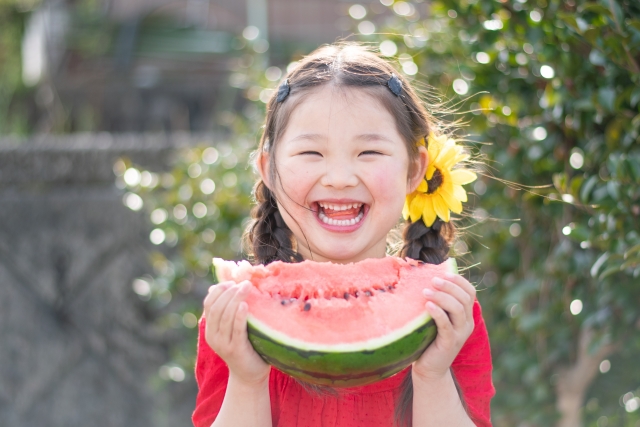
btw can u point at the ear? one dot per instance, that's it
(262, 165)
(419, 169)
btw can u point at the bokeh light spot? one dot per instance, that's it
(576, 160)
(388, 48)
(207, 186)
(357, 11)
(251, 32)
(547, 72)
(366, 28)
(539, 133)
(575, 307)
(199, 210)
(158, 216)
(460, 86)
(132, 177)
(483, 57)
(157, 236)
(133, 201)
(210, 155)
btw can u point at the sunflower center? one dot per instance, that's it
(435, 182)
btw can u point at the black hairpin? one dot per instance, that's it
(283, 90)
(395, 85)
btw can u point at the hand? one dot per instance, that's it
(226, 332)
(450, 304)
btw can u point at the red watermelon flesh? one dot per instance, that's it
(338, 324)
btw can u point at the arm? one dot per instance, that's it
(233, 380)
(461, 350)
(245, 404)
(436, 402)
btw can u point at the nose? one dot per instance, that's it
(340, 173)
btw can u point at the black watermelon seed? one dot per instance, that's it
(283, 302)
(346, 295)
(357, 294)
(307, 307)
(367, 293)
(382, 290)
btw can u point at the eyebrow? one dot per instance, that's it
(361, 137)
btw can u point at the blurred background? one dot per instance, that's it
(125, 131)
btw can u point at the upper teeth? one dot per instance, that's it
(340, 207)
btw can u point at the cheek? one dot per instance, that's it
(389, 183)
(296, 181)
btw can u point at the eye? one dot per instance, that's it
(312, 153)
(370, 152)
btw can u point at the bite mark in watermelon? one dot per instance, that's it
(340, 325)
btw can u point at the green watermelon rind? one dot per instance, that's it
(346, 365)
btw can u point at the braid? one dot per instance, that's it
(269, 236)
(430, 245)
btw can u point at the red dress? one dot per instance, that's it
(366, 406)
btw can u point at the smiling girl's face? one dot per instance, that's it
(343, 172)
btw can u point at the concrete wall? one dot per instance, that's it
(77, 347)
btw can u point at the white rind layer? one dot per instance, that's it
(369, 345)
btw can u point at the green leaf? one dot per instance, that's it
(595, 8)
(609, 271)
(631, 251)
(592, 35)
(635, 97)
(598, 264)
(633, 23)
(587, 187)
(607, 97)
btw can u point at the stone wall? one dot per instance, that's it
(77, 346)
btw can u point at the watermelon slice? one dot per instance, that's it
(340, 325)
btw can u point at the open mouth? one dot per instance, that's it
(340, 214)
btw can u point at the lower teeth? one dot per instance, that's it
(341, 222)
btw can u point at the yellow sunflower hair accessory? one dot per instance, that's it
(440, 192)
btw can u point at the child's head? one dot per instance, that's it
(337, 158)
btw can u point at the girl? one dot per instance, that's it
(347, 143)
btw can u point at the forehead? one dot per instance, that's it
(332, 108)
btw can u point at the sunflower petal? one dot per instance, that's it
(422, 187)
(440, 207)
(452, 202)
(416, 207)
(428, 213)
(453, 160)
(430, 170)
(462, 176)
(405, 208)
(459, 193)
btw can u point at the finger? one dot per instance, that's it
(454, 290)
(445, 328)
(217, 308)
(454, 308)
(214, 293)
(239, 333)
(463, 283)
(230, 311)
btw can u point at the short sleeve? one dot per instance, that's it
(472, 369)
(212, 375)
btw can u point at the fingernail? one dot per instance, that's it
(449, 275)
(437, 281)
(428, 292)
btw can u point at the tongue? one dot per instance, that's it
(341, 215)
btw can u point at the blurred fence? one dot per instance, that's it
(78, 347)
